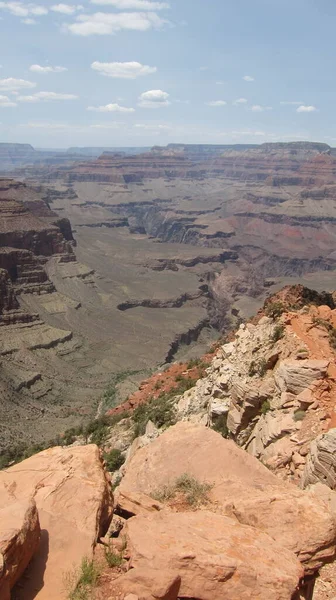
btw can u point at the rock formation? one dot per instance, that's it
(216, 547)
(19, 540)
(74, 503)
(272, 386)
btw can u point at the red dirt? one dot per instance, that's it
(163, 382)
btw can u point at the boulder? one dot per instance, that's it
(269, 428)
(242, 488)
(149, 583)
(321, 461)
(19, 540)
(294, 376)
(206, 556)
(133, 503)
(74, 503)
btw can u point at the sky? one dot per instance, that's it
(153, 72)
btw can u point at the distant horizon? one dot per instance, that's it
(146, 146)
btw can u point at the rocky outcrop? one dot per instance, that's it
(241, 488)
(19, 540)
(249, 530)
(295, 376)
(321, 461)
(206, 556)
(29, 234)
(152, 303)
(73, 500)
(271, 389)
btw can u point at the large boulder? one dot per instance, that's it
(321, 461)
(294, 376)
(206, 556)
(242, 488)
(73, 499)
(19, 540)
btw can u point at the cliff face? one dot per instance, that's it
(29, 235)
(271, 388)
(276, 197)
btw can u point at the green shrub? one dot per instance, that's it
(278, 333)
(332, 338)
(299, 415)
(114, 460)
(195, 492)
(158, 410)
(113, 558)
(265, 407)
(80, 583)
(220, 425)
(194, 362)
(274, 310)
(258, 367)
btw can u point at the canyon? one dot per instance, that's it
(160, 250)
(222, 487)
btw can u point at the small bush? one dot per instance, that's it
(220, 425)
(274, 310)
(278, 333)
(158, 410)
(80, 583)
(265, 407)
(195, 492)
(258, 368)
(299, 415)
(194, 362)
(114, 460)
(113, 558)
(332, 338)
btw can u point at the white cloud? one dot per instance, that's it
(28, 21)
(248, 78)
(220, 82)
(39, 69)
(6, 102)
(46, 96)
(125, 70)
(240, 101)
(154, 99)
(259, 108)
(66, 9)
(148, 127)
(111, 108)
(19, 9)
(132, 4)
(110, 125)
(111, 23)
(306, 109)
(216, 103)
(11, 84)
(291, 103)
(248, 132)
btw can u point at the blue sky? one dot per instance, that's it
(144, 72)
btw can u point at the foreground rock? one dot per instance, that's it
(73, 500)
(206, 556)
(19, 539)
(242, 489)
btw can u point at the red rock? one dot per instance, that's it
(74, 504)
(213, 556)
(242, 488)
(19, 540)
